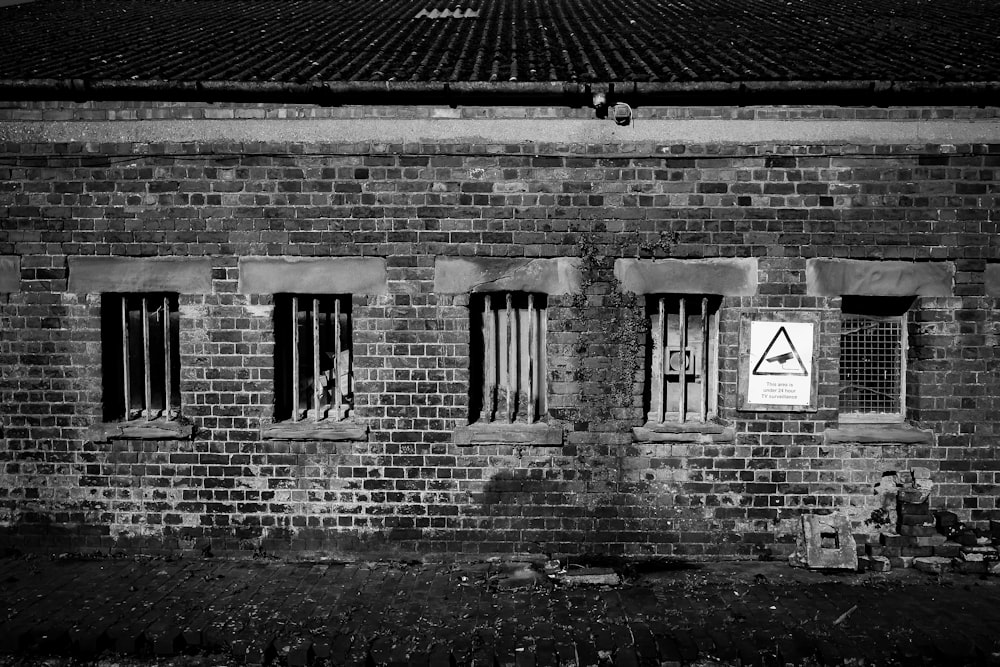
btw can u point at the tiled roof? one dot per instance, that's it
(573, 41)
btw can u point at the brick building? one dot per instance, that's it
(505, 278)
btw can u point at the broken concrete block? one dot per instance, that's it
(915, 508)
(891, 539)
(918, 531)
(874, 550)
(932, 564)
(901, 561)
(931, 540)
(917, 552)
(911, 495)
(945, 519)
(948, 550)
(917, 520)
(920, 473)
(590, 576)
(829, 543)
(973, 557)
(873, 564)
(971, 567)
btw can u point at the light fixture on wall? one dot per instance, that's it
(622, 113)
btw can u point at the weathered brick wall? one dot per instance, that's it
(409, 489)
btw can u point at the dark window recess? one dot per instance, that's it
(681, 357)
(140, 361)
(507, 360)
(312, 358)
(873, 356)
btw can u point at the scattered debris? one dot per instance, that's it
(931, 541)
(843, 617)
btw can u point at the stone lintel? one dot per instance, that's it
(10, 274)
(140, 430)
(462, 275)
(313, 275)
(723, 276)
(869, 434)
(840, 277)
(992, 280)
(540, 434)
(184, 275)
(330, 432)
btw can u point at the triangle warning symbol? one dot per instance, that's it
(780, 357)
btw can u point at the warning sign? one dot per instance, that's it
(781, 363)
(780, 357)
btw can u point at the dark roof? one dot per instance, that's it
(664, 42)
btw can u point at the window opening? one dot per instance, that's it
(313, 379)
(873, 356)
(682, 364)
(140, 356)
(508, 378)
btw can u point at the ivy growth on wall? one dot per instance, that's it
(622, 327)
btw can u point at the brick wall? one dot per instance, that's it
(409, 489)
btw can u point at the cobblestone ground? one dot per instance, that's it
(194, 612)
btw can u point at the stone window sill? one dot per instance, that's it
(539, 434)
(160, 429)
(333, 431)
(688, 432)
(871, 434)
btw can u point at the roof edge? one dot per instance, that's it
(512, 93)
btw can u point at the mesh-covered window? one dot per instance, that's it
(140, 362)
(312, 354)
(872, 357)
(682, 361)
(508, 357)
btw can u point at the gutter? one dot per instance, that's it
(512, 93)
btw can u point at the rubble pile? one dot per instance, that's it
(931, 541)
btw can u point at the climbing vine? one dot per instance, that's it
(625, 327)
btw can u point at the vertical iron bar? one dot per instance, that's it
(295, 358)
(166, 358)
(126, 376)
(317, 387)
(661, 348)
(705, 356)
(489, 360)
(511, 359)
(531, 358)
(682, 329)
(337, 396)
(147, 379)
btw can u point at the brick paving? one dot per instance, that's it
(212, 611)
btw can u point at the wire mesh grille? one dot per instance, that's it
(871, 351)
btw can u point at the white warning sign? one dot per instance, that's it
(781, 363)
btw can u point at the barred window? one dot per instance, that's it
(873, 358)
(508, 353)
(683, 368)
(313, 379)
(139, 356)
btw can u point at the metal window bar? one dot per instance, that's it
(690, 368)
(166, 358)
(295, 358)
(511, 360)
(126, 366)
(503, 352)
(313, 313)
(157, 306)
(871, 364)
